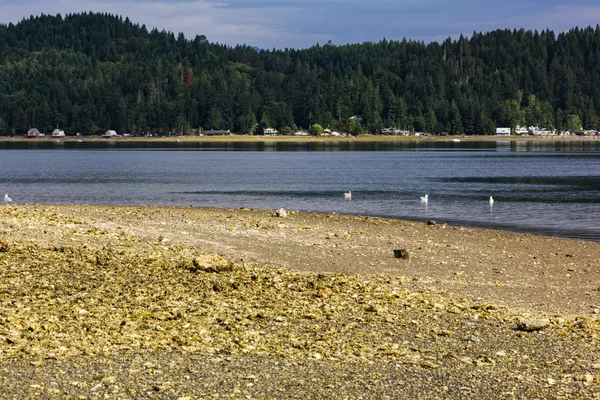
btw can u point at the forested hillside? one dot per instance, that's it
(93, 72)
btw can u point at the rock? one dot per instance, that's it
(472, 338)
(402, 253)
(109, 379)
(373, 309)
(3, 245)
(281, 213)
(431, 222)
(532, 325)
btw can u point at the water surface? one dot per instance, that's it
(550, 188)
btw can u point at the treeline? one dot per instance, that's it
(92, 72)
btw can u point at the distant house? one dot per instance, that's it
(33, 132)
(58, 133)
(110, 133)
(520, 130)
(503, 131)
(271, 131)
(301, 133)
(335, 133)
(543, 132)
(391, 131)
(326, 132)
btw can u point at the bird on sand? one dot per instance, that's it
(7, 199)
(348, 195)
(491, 201)
(425, 199)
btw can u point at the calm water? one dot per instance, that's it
(548, 188)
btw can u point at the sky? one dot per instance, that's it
(303, 23)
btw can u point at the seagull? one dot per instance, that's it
(425, 199)
(491, 201)
(348, 195)
(7, 199)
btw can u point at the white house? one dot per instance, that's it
(110, 133)
(301, 133)
(271, 131)
(543, 132)
(503, 131)
(392, 131)
(58, 133)
(521, 130)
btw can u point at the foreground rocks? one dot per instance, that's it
(96, 312)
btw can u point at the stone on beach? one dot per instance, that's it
(402, 253)
(532, 325)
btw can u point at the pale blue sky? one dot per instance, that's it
(303, 23)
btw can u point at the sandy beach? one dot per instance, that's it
(165, 302)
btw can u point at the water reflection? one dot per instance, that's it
(328, 146)
(552, 192)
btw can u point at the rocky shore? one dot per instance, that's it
(137, 302)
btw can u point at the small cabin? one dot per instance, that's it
(33, 132)
(503, 131)
(270, 131)
(110, 133)
(58, 133)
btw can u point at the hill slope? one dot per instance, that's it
(91, 72)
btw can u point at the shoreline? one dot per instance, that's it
(457, 225)
(308, 139)
(275, 241)
(173, 302)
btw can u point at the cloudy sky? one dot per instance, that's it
(303, 23)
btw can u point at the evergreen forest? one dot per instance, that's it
(92, 72)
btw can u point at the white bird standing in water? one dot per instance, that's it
(7, 199)
(425, 199)
(348, 195)
(491, 201)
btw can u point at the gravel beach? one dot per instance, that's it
(163, 302)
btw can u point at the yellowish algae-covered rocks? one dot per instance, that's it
(93, 305)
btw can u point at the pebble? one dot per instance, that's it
(472, 338)
(532, 325)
